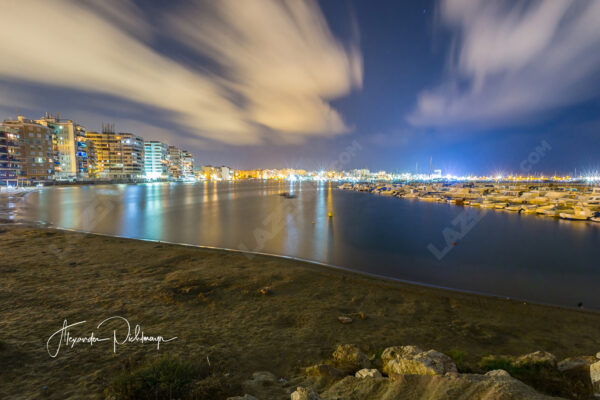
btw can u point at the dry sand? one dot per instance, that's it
(209, 299)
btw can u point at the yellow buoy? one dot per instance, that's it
(330, 215)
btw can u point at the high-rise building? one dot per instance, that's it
(63, 145)
(117, 155)
(156, 160)
(9, 162)
(174, 162)
(35, 149)
(82, 153)
(132, 156)
(225, 173)
(187, 162)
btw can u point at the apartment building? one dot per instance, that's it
(35, 149)
(9, 161)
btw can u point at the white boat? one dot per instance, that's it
(591, 201)
(544, 208)
(430, 197)
(515, 207)
(490, 204)
(553, 211)
(529, 208)
(579, 213)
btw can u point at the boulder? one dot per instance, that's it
(430, 387)
(344, 319)
(411, 360)
(537, 357)
(324, 370)
(305, 394)
(595, 376)
(368, 373)
(576, 363)
(498, 373)
(350, 358)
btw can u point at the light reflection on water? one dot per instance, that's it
(540, 259)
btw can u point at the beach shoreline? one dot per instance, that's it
(211, 301)
(251, 254)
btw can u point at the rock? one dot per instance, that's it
(429, 387)
(573, 363)
(305, 394)
(411, 360)
(324, 370)
(350, 358)
(595, 376)
(344, 319)
(368, 373)
(498, 373)
(265, 290)
(598, 355)
(538, 357)
(394, 352)
(244, 397)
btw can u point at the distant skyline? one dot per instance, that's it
(267, 84)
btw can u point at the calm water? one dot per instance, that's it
(496, 252)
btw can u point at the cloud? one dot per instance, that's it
(289, 65)
(513, 61)
(279, 56)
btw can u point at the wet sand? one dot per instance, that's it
(210, 300)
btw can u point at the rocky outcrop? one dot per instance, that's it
(349, 358)
(368, 373)
(395, 352)
(302, 393)
(538, 357)
(497, 386)
(411, 360)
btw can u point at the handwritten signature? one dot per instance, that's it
(63, 337)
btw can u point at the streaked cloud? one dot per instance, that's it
(280, 56)
(281, 64)
(513, 61)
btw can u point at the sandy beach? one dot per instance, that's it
(211, 301)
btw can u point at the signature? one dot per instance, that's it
(63, 337)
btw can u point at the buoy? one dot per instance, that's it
(330, 215)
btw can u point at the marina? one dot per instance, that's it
(576, 203)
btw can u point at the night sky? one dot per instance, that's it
(273, 84)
